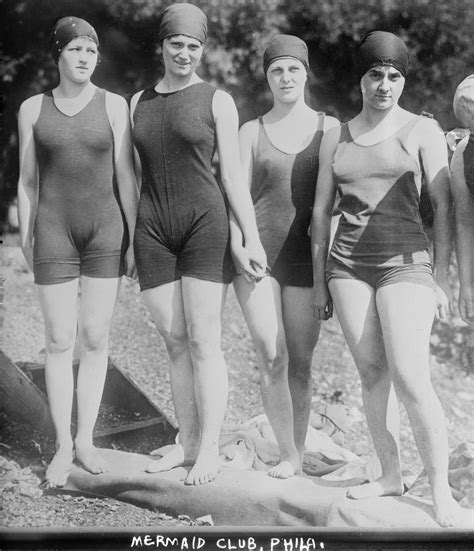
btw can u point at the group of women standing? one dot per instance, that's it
(190, 237)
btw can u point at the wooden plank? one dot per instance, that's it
(21, 398)
(136, 425)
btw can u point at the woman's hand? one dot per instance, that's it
(257, 257)
(28, 254)
(444, 299)
(323, 307)
(129, 260)
(246, 266)
(466, 304)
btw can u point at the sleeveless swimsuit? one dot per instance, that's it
(283, 189)
(380, 237)
(79, 227)
(182, 226)
(468, 159)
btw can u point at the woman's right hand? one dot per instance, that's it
(257, 258)
(244, 264)
(323, 307)
(28, 254)
(466, 304)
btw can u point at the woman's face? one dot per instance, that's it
(382, 86)
(78, 59)
(181, 54)
(287, 77)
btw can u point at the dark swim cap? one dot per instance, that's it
(382, 48)
(285, 45)
(183, 18)
(65, 30)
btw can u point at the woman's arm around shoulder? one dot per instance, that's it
(331, 122)
(28, 175)
(117, 110)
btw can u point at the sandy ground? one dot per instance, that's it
(138, 350)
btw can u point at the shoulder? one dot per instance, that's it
(248, 132)
(457, 160)
(331, 122)
(30, 108)
(223, 106)
(426, 126)
(115, 100)
(135, 99)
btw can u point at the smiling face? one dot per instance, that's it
(181, 54)
(382, 86)
(78, 59)
(287, 77)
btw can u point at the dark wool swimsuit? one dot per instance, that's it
(182, 227)
(79, 226)
(283, 189)
(380, 237)
(468, 159)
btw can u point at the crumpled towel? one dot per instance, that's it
(252, 445)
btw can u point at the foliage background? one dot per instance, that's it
(439, 34)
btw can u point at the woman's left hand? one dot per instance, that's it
(257, 257)
(444, 299)
(129, 259)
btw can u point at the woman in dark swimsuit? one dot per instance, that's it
(182, 236)
(77, 199)
(280, 156)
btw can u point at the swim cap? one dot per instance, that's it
(183, 18)
(285, 45)
(65, 30)
(463, 102)
(382, 48)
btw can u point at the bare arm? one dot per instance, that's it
(136, 157)
(28, 179)
(117, 110)
(233, 180)
(435, 164)
(464, 217)
(321, 222)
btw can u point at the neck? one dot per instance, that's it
(69, 89)
(171, 83)
(375, 116)
(283, 109)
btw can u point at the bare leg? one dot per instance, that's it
(98, 297)
(356, 309)
(261, 305)
(203, 303)
(406, 313)
(302, 332)
(165, 304)
(58, 305)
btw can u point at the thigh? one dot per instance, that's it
(203, 304)
(59, 307)
(301, 327)
(165, 304)
(406, 312)
(262, 308)
(354, 301)
(156, 263)
(97, 303)
(206, 249)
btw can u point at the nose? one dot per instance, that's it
(286, 75)
(384, 83)
(82, 56)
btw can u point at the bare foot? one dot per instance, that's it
(59, 469)
(205, 469)
(447, 510)
(378, 488)
(91, 459)
(285, 469)
(174, 458)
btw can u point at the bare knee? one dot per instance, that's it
(176, 343)
(94, 337)
(413, 392)
(272, 358)
(204, 343)
(300, 364)
(371, 373)
(60, 340)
